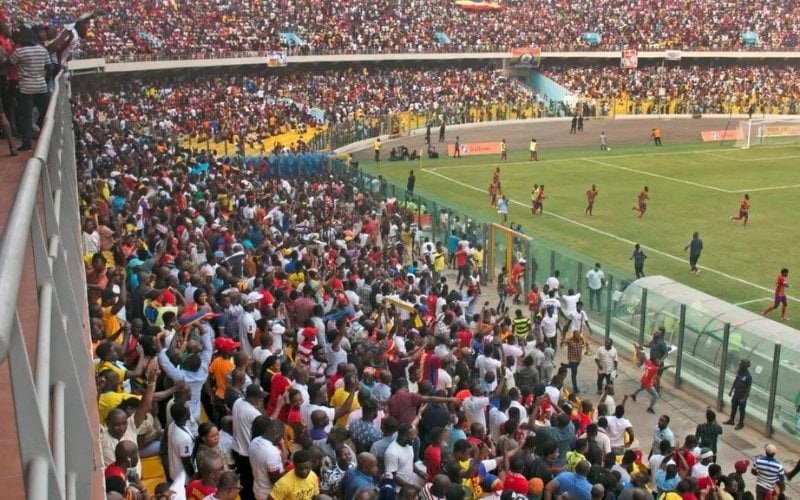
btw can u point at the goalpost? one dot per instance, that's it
(775, 131)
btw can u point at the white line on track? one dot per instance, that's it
(615, 237)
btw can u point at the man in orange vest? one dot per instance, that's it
(656, 135)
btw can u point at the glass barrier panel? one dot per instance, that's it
(787, 398)
(702, 350)
(568, 267)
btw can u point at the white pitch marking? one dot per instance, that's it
(791, 186)
(659, 176)
(753, 301)
(618, 238)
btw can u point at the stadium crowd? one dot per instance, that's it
(712, 86)
(270, 333)
(204, 28)
(260, 107)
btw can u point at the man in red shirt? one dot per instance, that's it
(126, 457)
(462, 264)
(211, 468)
(781, 284)
(648, 382)
(517, 272)
(641, 207)
(278, 386)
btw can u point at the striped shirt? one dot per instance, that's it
(522, 326)
(31, 61)
(770, 471)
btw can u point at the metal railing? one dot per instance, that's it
(433, 49)
(57, 423)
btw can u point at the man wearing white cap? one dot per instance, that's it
(247, 322)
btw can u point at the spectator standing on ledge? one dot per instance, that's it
(695, 247)
(740, 391)
(31, 61)
(596, 280)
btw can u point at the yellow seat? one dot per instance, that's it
(152, 473)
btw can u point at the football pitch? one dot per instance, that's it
(693, 187)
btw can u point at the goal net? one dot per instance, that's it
(774, 131)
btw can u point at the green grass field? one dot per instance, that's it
(692, 188)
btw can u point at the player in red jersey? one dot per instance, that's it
(744, 210)
(538, 203)
(591, 194)
(644, 195)
(781, 284)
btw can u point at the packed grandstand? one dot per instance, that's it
(204, 27)
(265, 329)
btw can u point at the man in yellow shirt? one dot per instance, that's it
(438, 261)
(342, 394)
(107, 351)
(377, 147)
(299, 484)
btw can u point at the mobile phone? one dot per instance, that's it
(131, 475)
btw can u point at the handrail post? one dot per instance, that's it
(723, 366)
(773, 389)
(642, 316)
(609, 305)
(679, 360)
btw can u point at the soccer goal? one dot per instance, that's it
(775, 131)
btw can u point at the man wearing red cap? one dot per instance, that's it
(219, 369)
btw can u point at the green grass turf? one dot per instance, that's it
(692, 188)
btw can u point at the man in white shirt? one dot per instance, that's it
(553, 282)
(595, 280)
(181, 443)
(475, 406)
(399, 459)
(549, 327)
(244, 412)
(486, 363)
(607, 398)
(265, 458)
(607, 360)
(663, 451)
(618, 425)
(577, 320)
(571, 300)
(247, 323)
